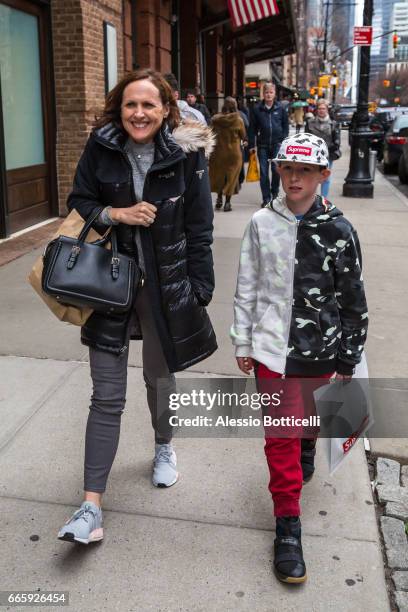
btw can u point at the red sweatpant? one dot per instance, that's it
(283, 454)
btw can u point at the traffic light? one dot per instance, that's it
(386, 83)
(395, 41)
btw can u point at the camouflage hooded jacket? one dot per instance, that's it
(300, 306)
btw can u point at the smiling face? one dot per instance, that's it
(300, 181)
(142, 111)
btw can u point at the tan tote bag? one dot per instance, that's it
(71, 227)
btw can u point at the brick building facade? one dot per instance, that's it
(66, 38)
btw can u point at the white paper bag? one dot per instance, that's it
(349, 406)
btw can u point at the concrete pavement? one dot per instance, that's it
(205, 544)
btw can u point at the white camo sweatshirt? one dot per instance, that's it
(300, 306)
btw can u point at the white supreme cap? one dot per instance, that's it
(305, 149)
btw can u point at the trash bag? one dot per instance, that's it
(253, 169)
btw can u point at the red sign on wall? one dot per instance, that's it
(363, 35)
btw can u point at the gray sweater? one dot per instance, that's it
(141, 158)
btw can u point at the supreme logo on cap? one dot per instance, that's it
(298, 150)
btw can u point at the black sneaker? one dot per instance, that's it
(307, 459)
(264, 203)
(227, 206)
(289, 564)
(218, 203)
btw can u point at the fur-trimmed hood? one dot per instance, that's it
(192, 135)
(188, 136)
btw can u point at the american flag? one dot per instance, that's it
(246, 11)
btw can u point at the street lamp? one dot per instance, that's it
(358, 183)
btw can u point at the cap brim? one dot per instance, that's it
(276, 159)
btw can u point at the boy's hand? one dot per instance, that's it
(245, 364)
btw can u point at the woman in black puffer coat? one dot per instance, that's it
(148, 175)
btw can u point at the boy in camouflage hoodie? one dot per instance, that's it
(299, 311)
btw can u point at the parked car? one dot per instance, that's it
(378, 130)
(380, 122)
(343, 114)
(403, 164)
(395, 138)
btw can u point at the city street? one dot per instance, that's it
(394, 180)
(205, 544)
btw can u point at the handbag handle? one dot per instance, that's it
(87, 226)
(110, 235)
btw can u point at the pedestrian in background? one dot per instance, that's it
(130, 161)
(201, 101)
(191, 98)
(242, 107)
(323, 126)
(187, 112)
(268, 127)
(309, 114)
(244, 146)
(299, 118)
(226, 159)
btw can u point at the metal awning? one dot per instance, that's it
(261, 40)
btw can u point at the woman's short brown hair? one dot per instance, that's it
(113, 102)
(230, 105)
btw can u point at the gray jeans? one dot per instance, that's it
(109, 377)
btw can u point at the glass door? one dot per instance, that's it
(25, 107)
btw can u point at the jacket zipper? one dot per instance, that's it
(298, 221)
(125, 157)
(142, 276)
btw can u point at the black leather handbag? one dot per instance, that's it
(80, 273)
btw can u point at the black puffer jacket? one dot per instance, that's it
(176, 248)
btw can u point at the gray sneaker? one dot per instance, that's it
(164, 466)
(84, 526)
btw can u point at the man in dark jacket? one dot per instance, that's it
(191, 98)
(268, 127)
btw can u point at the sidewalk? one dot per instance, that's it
(205, 544)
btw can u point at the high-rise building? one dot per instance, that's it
(398, 58)
(314, 13)
(382, 22)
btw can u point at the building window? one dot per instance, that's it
(111, 56)
(21, 88)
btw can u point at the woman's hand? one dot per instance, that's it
(245, 364)
(141, 213)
